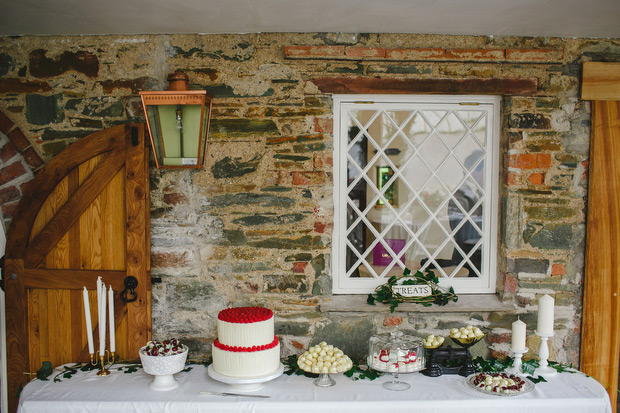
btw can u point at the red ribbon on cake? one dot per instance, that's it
(238, 349)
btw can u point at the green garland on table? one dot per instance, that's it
(66, 372)
(495, 365)
(439, 296)
(69, 371)
(355, 373)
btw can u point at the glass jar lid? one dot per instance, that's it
(395, 340)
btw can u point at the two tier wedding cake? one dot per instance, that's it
(246, 345)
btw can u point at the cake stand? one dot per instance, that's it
(245, 384)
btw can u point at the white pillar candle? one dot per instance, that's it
(102, 318)
(89, 324)
(518, 335)
(112, 324)
(545, 315)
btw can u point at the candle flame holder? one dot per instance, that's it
(543, 356)
(99, 360)
(517, 364)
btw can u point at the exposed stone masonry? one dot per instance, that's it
(254, 227)
(18, 164)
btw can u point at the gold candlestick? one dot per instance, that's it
(103, 371)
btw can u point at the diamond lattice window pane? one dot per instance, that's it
(363, 117)
(417, 173)
(352, 215)
(365, 270)
(356, 238)
(357, 158)
(352, 262)
(469, 152)
(475, 122)
(435, 189)
(436, 236)
(433, 117)
(434, 151)
(417, 130)
(451, 130)
(399, 151)
(465, 199)
(417, 215)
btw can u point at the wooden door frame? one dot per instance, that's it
(4, 406)
(600, 332)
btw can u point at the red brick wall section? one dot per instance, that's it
(422, 54)
(19, 162)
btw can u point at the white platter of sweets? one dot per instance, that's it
(324, 359)
(500, 384)
(162, 359)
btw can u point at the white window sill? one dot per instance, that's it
(466, 303)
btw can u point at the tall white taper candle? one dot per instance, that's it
(89, 324)
(102, 318)
(518, 335)
(112, 324)
(545, 315)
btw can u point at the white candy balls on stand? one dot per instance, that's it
(324, 359)
(433, 341)
(466, 335)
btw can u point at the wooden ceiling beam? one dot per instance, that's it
(600, 81)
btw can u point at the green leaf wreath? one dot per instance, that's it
(386, 295)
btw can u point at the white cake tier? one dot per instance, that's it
(245, 334)
(246, 364)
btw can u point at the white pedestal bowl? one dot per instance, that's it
(163, 368)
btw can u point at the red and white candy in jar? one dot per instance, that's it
(396, 353)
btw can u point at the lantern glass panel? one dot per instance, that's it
(177, 133)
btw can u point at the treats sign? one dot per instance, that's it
(420, 290)
(413, 288)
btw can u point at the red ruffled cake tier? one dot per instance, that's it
(245, 315)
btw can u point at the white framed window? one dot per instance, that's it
(416, 186)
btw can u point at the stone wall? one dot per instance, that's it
(254, 227)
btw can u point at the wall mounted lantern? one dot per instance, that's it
(178, 123)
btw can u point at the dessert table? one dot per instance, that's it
(129, 392)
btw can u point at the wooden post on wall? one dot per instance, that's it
(600, 336)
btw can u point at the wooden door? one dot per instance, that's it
(86, 214)
(600, 335)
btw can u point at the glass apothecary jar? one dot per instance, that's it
(396, 353)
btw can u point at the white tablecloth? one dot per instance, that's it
(120, 392)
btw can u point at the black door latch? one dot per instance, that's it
(128, 294)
